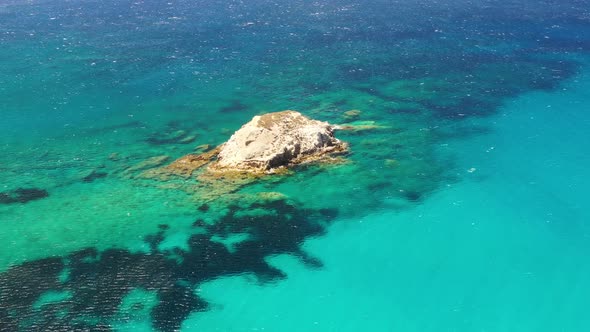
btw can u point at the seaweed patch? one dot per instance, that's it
(22, 195)
(98, 281)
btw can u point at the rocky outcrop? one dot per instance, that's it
(275, 140)
(267, 144)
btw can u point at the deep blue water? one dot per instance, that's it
(463, 208)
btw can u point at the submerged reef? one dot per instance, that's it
(22, 195)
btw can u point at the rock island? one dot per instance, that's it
(267, 143)
(276, 140)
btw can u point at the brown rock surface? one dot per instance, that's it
(183, 166)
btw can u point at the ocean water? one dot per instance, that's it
(462, 207)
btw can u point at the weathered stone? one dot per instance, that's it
(352, 114)
(391, 163)
(277, 140)
(203, 148)
(360, 125)
(171, 136)
(114, 156)
(149, 163)
(187, 139)
(183, 166)
(152, 162)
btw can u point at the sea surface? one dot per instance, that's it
(463, 204)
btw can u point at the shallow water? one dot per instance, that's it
(465, 209)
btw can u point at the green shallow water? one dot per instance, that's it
(463, 208)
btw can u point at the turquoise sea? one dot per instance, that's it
(463, 204)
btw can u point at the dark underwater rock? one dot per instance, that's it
(22, 195)
(172, 135)
(94, 175)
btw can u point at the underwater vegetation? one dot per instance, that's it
(93, 286)
(22, 195)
